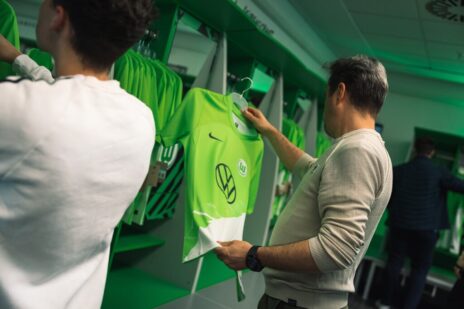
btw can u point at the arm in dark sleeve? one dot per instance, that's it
(396, 181)
(451, 182)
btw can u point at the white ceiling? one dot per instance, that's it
(408, 39)
(399, 32)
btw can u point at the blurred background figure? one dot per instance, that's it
(417, 211)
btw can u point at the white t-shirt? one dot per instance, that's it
(73, 155)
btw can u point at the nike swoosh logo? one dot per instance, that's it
(215, 138)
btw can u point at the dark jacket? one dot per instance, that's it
(418, 200)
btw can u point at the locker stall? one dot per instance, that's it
(272, 55)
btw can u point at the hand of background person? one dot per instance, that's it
(233, 253)
(8, 52)
(459, 265)
(256, 117)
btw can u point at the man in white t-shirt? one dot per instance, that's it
(73, 154)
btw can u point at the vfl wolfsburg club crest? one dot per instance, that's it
(242, 168)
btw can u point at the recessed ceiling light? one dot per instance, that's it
(452, 10)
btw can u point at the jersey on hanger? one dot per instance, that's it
(223, 165)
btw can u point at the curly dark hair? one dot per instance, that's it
(105, 29)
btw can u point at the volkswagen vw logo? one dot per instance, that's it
(226, 183)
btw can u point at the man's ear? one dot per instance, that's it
(341, 92)
(59, 19)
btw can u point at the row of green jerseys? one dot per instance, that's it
(296, 136)
(456, 218)
(323, 143)
(41, 58)
(9, 29)
(161, 90)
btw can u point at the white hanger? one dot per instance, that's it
(238, 99)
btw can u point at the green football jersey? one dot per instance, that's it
(9, 29)
(41, 58)
(152, 82)
(133, 73)
(322, 144)
(161, 90)
(294, 133)
(223, 156)
(451, 239)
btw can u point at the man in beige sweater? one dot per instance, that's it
(325, 230)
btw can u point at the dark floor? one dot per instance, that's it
(438, 301)
(356, 302)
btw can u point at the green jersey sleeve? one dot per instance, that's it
(9, 29)
(254, 183)
(41, 58)
(184, 120)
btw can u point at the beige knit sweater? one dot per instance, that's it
(336, 207)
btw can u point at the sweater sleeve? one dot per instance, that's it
(26, 67)
(302, 165)
(451, 182)
(348, 188)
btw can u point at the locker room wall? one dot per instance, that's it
(402, 113)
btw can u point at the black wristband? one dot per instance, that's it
(252, 261)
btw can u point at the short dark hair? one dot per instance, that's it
(424, 146)
(365, 79)
(105, 29)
